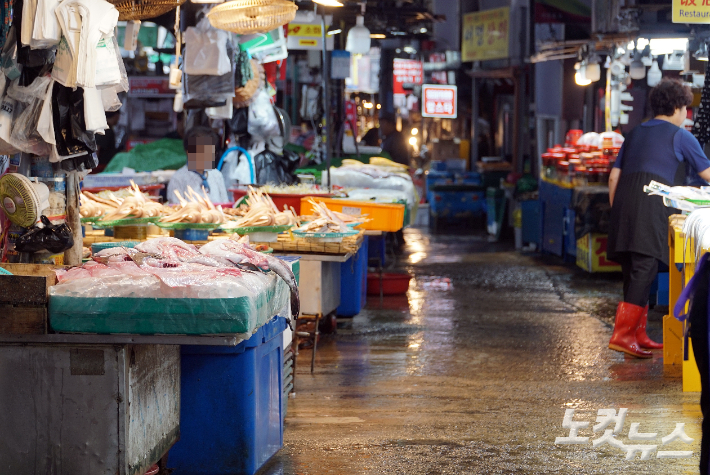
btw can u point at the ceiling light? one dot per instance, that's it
(378, 36)
(415, 131)
(368, 105)
(358, 37)
(328, 3)
(334, 32)
(410, 50)
(379, 106)
(661, 46)
(423, 30)
(581, 80)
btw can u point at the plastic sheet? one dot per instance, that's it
(356, 177)
(122, 297)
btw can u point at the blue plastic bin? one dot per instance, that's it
(231, 414)
(353, 283)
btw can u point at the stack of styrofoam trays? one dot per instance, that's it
(697, 227)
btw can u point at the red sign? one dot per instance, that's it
(439, 101)
(149, 86)
(407, 71)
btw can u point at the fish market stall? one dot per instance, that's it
(120, 321)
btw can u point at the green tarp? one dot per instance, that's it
(163, 154)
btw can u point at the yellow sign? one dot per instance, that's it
(485, 35)
(302, 29)
(308, 42)
(691, 11)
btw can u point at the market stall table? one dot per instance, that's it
(681, 269)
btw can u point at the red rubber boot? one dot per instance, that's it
(641, 336)
(626, 323)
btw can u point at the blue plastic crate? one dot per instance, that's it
(353, 283)
(192, 234)
(231, 419)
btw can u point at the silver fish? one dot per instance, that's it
(283, 271)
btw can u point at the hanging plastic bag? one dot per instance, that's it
(263, 122)
(46, 32)
(109, 99)
(7, 110)
(107, 69)
(25, 135)
(9, 57)
(53, 238)
(204, 91)
(94, 115)
(206, 50)
(70, 131)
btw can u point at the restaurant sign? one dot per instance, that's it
(439, 101)
(691, 11)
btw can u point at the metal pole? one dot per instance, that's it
(72, 257)
(326, 101)
(475, 129)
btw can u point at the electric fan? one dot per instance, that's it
(23, 200)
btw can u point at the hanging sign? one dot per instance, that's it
(439, 101)
(485, 35)
(407, 71)
(307, 36)
(691, 11)
(339, 64)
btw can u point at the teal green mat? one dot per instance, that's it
(146, 316)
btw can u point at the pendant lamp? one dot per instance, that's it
(245, 17)
(143, 9)
(358, 37)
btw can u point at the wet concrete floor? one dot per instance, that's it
(472, 371)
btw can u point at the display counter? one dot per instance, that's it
(681, 270)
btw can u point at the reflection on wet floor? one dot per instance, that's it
(472, 371)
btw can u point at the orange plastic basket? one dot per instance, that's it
(382, 216)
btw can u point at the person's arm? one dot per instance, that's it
(613, 183)
(693, 154)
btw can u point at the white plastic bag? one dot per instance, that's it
(46, 32)
(94, 115)
(263, 123)
(206, 50)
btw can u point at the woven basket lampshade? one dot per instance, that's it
(246, 17)
(143, 9)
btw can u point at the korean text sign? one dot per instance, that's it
(485, 35)
(439, 101)
(691, 11)
(407, 71)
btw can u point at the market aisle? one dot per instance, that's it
(472, 373)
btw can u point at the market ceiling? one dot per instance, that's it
(395, 18)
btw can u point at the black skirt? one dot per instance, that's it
(639, 222)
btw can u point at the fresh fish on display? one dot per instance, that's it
(239, 254)
(169, 248)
